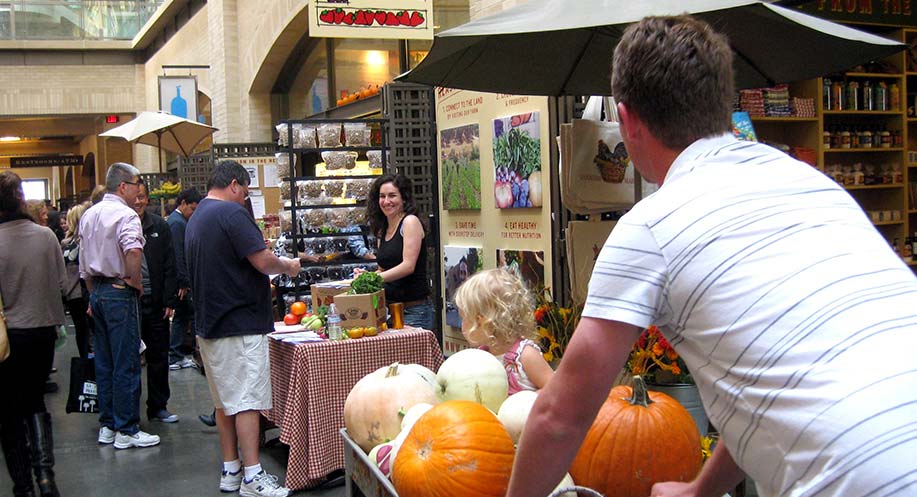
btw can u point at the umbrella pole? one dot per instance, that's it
(159, 150)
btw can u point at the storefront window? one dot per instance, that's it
(363, 63)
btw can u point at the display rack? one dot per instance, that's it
(883, 194)
(328, 184)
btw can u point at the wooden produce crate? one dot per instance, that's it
(361, 473)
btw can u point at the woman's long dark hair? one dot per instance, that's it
(11, 197)
(377, 220)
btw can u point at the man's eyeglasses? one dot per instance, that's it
(135, 183)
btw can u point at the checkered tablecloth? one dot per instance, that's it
(310, 382)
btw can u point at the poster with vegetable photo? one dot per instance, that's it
(525, 264)
(459, 264)
(517, 161)
(460, 161)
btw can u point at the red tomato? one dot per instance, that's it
(290, 319)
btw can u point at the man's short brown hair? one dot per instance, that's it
(675, 73)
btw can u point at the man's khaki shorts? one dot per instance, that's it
(238, 372)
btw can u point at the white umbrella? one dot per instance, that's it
(563, 47)
(163, 130)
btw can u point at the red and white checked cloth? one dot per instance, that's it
(310, 382)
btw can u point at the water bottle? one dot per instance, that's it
(334, 323)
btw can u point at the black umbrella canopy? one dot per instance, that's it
(558, 47)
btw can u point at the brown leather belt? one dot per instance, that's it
(414, 303)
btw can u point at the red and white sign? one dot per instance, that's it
(388, 19)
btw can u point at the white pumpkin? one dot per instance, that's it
(426, 373)
(515, 410)
(566, 482)
(376, 404)
(474, 375)
(413, 414)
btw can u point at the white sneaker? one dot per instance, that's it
(230, 482)
(263, 485)
(106, 435)
(139, 439)
(182, 364)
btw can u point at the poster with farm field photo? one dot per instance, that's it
(517, 161)
(460, 154)
(459, 263)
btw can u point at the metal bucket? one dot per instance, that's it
(689, 397)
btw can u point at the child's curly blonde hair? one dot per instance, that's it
(502, 302)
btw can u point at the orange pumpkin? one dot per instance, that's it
(456, 448)
(638, 438)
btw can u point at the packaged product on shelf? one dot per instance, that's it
(375, 158)
(304, 136)
(897, 176)
(283, 134)
(858, 176)
(286, 220)
(339, 160)
(358, 189)
(315, 220)
(310, 193)
(317, 274)
(357, 215)
(334, 188)
(339, 218)
(340, 245)
(283, 162)
(356, 134)
(284, 190)
(329, 135)
(336, 273)
(315, 246)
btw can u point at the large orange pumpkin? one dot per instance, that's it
(456, 448)
(638, 438)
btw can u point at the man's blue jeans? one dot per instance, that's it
(116, 321)
(184, 315)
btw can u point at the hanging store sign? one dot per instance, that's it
(178, 96)
(47, 161)
(887, 12)
(378, 19)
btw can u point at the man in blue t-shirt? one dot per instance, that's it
(228, 263)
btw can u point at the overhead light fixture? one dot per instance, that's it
(10, 138)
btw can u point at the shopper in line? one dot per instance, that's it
(767, 278)
(31, 282)
(38, 211)
(111, 251)
(75, 292)
(184, 312)
(228, 264)
(401, 255)
(159, 295)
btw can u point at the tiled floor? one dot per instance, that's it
(185, 464)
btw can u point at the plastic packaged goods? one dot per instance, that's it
(339, 160)
(283, 134)
(375, 158)
(329, 135)
(356, 134)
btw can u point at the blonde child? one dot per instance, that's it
(496, 312)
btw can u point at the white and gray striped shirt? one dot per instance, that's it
(797, 320)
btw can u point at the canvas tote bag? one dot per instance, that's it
(596, 172)
(584, 240)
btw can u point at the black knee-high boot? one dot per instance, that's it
(42, 445)
(18, 461)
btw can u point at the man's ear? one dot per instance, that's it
(629, 121)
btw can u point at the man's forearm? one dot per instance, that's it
(132, 262)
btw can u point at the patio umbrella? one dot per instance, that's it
(164, 131)
(555, 47)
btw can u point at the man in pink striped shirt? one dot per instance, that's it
(111, 249)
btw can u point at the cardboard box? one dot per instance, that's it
(324, 293)
(366, 309)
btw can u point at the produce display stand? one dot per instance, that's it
(361, 473)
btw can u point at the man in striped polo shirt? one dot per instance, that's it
(789, 308)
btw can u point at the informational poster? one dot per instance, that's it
(459, 264)
(257, 200)
(178, 96)
(271, 179)
(519, 228)
(253, 176)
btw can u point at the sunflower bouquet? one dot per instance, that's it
(555, 325)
